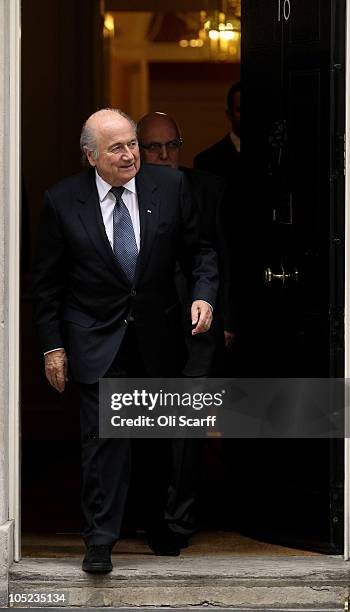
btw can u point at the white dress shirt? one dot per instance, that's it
(107, 203)
(236, 140)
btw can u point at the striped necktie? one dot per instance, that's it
(124, 242)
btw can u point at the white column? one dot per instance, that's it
(9, 279)
(347, 286)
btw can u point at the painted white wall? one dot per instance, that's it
(11, 254)
(4, 93)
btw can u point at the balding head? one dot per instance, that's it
(160, 139)
(97, 123)
(108, 140)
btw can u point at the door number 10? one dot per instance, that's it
(285, 10)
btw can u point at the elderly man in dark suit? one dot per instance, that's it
(106, 300)
(160, 143)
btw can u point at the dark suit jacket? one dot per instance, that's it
(209, 194)
(222, 159)
(84, 301)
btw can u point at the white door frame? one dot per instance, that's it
(12, 258)
(13, 272)
(347, 284)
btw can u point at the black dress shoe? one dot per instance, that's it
(98, 559)
(162, 541)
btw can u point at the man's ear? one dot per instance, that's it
(90, 157)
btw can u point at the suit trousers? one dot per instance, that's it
(183, 489)
(106, 463)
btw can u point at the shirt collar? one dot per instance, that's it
(104, 188)
(236, 140)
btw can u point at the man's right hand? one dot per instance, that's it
(56, 369)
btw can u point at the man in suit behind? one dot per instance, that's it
(105, 301)
(223, 157)
(160, 143)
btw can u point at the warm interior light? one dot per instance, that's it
(227, 35)
(109, 24)
(194, 42)
(214, 34)
(219, 27)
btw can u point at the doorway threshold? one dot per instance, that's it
(203, 544)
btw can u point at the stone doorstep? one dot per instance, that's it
(231, 582)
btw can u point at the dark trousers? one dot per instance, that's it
(184, 484)
(106, 463)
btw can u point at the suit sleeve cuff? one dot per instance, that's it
(60, 348)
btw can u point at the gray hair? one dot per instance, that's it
(88, 141)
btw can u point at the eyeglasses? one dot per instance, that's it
(155, 147)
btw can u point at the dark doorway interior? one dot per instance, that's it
(62, 83)
(288, 491)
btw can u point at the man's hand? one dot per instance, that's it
(202, 316)
(229, 338)
(56, 369)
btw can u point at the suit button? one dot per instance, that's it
(133, 292)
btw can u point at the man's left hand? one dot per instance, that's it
(202, 316)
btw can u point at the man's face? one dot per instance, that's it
(235, 113)
(118, 152)
(160, 143)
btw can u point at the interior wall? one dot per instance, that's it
(62, 81)
(192, 92)
(128, 87)
(195, 95)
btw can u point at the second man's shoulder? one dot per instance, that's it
(161, 174)
(214, 149)
(204, 178)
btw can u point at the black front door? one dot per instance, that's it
(293, 105)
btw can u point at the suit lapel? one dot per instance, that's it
(149, 214)
(91, 217)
